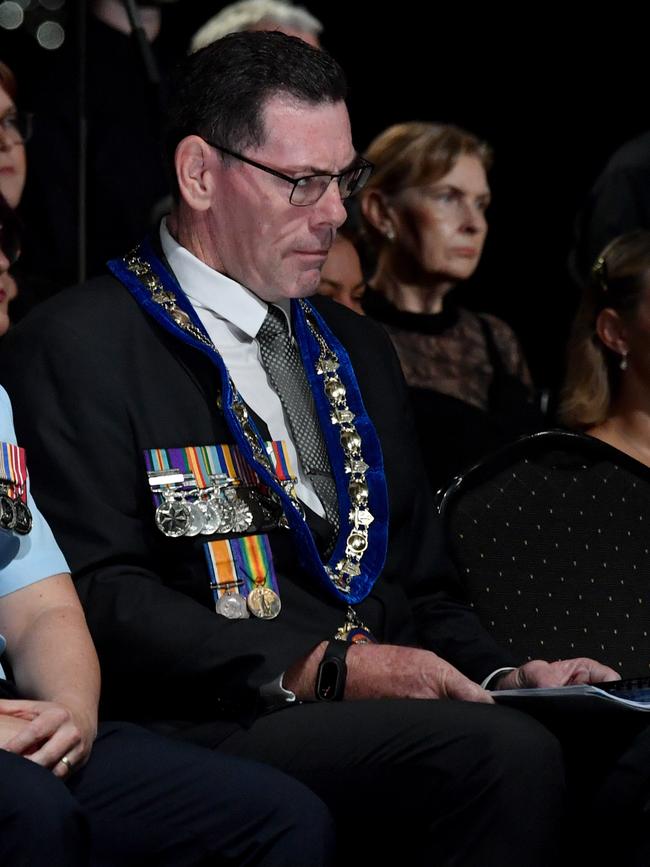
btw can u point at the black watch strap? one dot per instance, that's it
(332, 672)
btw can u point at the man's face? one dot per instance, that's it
(259, 238)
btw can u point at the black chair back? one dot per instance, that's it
(551, 536)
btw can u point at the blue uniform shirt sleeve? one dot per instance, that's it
(25, 559)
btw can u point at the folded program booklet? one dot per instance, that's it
(617, 695)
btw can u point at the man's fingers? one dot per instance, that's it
(460, 688)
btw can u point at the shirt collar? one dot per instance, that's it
(210, 290)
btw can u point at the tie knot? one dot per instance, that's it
(275, 325)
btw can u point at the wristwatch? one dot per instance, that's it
(332, 671)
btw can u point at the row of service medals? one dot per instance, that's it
(188, 510)
(14, 511)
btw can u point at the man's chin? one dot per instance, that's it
(307, 284)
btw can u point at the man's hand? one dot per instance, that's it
(389, 671)
(565, 672)
(45, 731)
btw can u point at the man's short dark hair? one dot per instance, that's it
(220, 91)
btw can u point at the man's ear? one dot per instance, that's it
(612, 332)
(378, 213)
(194, 161)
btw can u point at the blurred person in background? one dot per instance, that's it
(10, 244)
(341, 277)
(124, 177)
(424, 212)
(607, 388)
(260, 15)
(15, 128)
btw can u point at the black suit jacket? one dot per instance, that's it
(94, 382)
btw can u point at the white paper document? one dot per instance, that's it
(623, 695)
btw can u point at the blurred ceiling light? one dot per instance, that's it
(50, 35)
(11, 15)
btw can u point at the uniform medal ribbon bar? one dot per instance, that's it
(15, 514)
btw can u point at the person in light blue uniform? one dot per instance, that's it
(30, 558)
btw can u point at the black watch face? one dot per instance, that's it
(331, 680)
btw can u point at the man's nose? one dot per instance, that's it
(331, 205)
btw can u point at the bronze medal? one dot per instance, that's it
(264, 603)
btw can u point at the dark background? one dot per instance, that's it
(553, 94)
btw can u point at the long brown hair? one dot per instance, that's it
(8, 80)
(618, 279)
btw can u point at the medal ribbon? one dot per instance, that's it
(240, 565)
(206, 461)
(13, 470)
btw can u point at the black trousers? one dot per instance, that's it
(147, 800)
(433, 783)
(607, 756)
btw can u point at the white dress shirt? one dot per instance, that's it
(232, 315)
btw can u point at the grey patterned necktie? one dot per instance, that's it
(283, 364)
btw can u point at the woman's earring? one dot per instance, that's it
(390, 233)
(623, 362)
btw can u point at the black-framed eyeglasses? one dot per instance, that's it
(309, 189)
(16, 126)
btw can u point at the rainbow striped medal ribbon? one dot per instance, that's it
(15, 514)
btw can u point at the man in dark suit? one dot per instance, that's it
(230, 470)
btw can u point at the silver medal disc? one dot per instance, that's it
(172, 518)
(242, 517)
(211, 517)
(196, 520)
(264, 603)
(225, 518)
(232, 606)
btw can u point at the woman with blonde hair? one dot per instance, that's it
(607, 388)
(424, 212)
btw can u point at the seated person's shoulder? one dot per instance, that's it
(90, 310)
(345, 323)
(632, 155)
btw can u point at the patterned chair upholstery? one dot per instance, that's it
(551, 536)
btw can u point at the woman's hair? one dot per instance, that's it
(618, 279)
(8, 80)
(413, 154)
